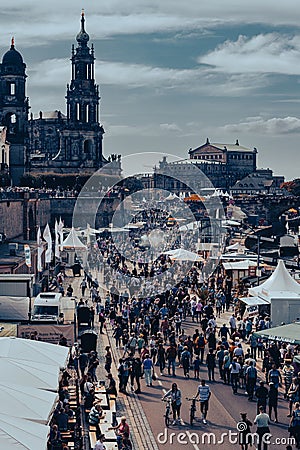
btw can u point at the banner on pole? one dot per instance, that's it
(27, 255)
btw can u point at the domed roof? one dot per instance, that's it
(12, 57)
(82, 37)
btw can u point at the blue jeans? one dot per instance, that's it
(171, 363)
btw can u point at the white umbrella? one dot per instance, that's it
(22, 434)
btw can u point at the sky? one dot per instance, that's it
(172, 73)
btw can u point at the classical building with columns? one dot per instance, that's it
(223, 165)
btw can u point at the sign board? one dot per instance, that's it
(47, 333)
(252, 310)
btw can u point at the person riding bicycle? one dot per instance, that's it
(175, 394)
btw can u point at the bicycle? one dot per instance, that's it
(167, 414)
(192, 409)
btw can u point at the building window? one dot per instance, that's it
(77, 111)
(12, 88)
(87, 110)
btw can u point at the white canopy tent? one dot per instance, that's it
(35, 351)
(22, 434)
(280, 283)
(180, 254)
(29, 373)
(171, 197)
(27, 403)
(283, 294)
(240, 265)
(72, 241)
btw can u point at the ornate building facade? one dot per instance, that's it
(53, 142)
(223, 165)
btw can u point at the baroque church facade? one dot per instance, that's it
(54, 142)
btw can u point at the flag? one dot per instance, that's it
(40, 250)
(60, 230)
(48, 239)
(57, 239)
(88, 234)
(27, 255)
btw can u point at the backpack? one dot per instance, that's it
(201, 341)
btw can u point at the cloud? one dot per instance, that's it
(170, 127)
(263, 53)
(56, 73)
(38, 24)
(273, 126)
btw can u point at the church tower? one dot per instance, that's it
(14, 107)
(82, 138)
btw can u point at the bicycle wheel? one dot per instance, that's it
(167, 420)
(192, 416)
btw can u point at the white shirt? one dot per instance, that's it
(204, 392)
(236, 369)
(99, 446)
(262, 420)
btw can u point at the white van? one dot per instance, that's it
(47, 308)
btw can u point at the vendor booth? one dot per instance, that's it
(282, 292)
(286, 333)
(240, 269)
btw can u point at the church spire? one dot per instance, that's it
(82, 37)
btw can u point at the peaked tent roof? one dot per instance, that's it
(22, 434)
(280, 283)
(73, 241)
(29, 373)
(35, 351)
(27, 403)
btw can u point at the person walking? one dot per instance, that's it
(204, 394)
(211, 364)
(83, 286)
(295, 424)
(251, 377)
(244, 428)
(137, 373)
(185, 361)
(148, 367)
(234, 369)
(273, 400)
(171, 354)
(262, 395)
(262, 420)
(161, 358)
(175, 394)
(226, 367)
